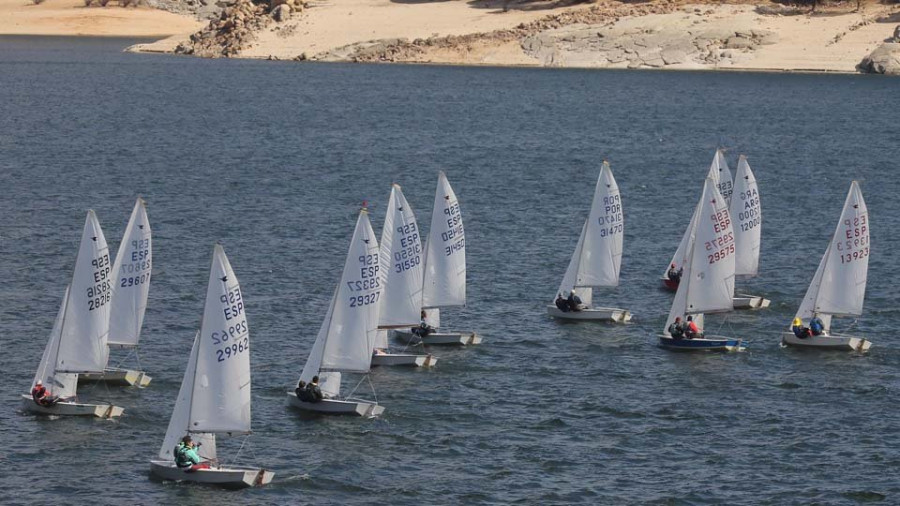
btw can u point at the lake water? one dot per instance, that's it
(273, 160)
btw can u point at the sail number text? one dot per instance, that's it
(750, 217)
(234, 338)
(611, 222)
(853, 242)
(138, 267)
(368, 282)
(100, 293)
(455, 234)
(721, 246)
(411, 253)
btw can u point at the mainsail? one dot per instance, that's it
(401, 265)
(721, 174)
(445, 252)
(82, 346)
(220, 400)
(747, 215)
(131, 280)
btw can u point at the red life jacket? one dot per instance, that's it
(38, 392)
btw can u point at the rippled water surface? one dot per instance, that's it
(273, 160)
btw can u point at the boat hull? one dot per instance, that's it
(608, 314)
(120, 377)
(708, 343)
(837, 343)
(336, 407)
(71, 409)
(228, 477)
(744, 301)
(668, 284)
(404, 359)
(438, 338)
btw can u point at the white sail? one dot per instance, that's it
(220, 401)
(347, 337)
(445, 251)
(131, 280)
(679, 303)
(711, 281)
(601, 254)
(401, 266)
(747, 215)
(721, 174)
(679, 259)
(82, 346)
(839, 286)
(58, 384)
(178, 424)
(571, 275)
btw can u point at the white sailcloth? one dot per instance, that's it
(83, 341)
(445, 251)
(707, 284)
(178, 424)
(347, 337)
(220, 401)
(401, 266)
(679, 260)
(747, 215)
(58, 384)
(131, 282)
(721, 174)
(839, 285)
(570, 278)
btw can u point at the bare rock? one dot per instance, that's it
(281, 13)
(673, 56)
(738, 43)
(883, 60)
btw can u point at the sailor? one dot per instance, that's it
(574, 302)
(691, 331)
(301, 391)
(799, 330)
(561, 303)
(313, 392)
(186, 456)
(676, 329)
(816, 327)
(42, 396)
(673, 274)
(424, 328)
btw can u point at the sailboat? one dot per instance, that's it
(78, 342)
(346, 340)
(444, 282)
(708, 280)
(839, 285)
(598, 254)
(214, 397)
(746, 212)
(401, 271)
(131, 285)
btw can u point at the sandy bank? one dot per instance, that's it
(71, 17)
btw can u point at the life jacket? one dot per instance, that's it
(181, 458)
(816, 326)
(38, 392)
(692, 327)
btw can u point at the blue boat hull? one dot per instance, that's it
(709, 343)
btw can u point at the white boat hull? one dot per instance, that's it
(336, 407)
(71, 409)
(707, 343)
(404, 359)
(744, 301)
(438, 338)
(123, 377)
(839, 343)
(591, 314)
(228, 477)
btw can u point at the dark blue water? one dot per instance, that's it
(273, 160)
